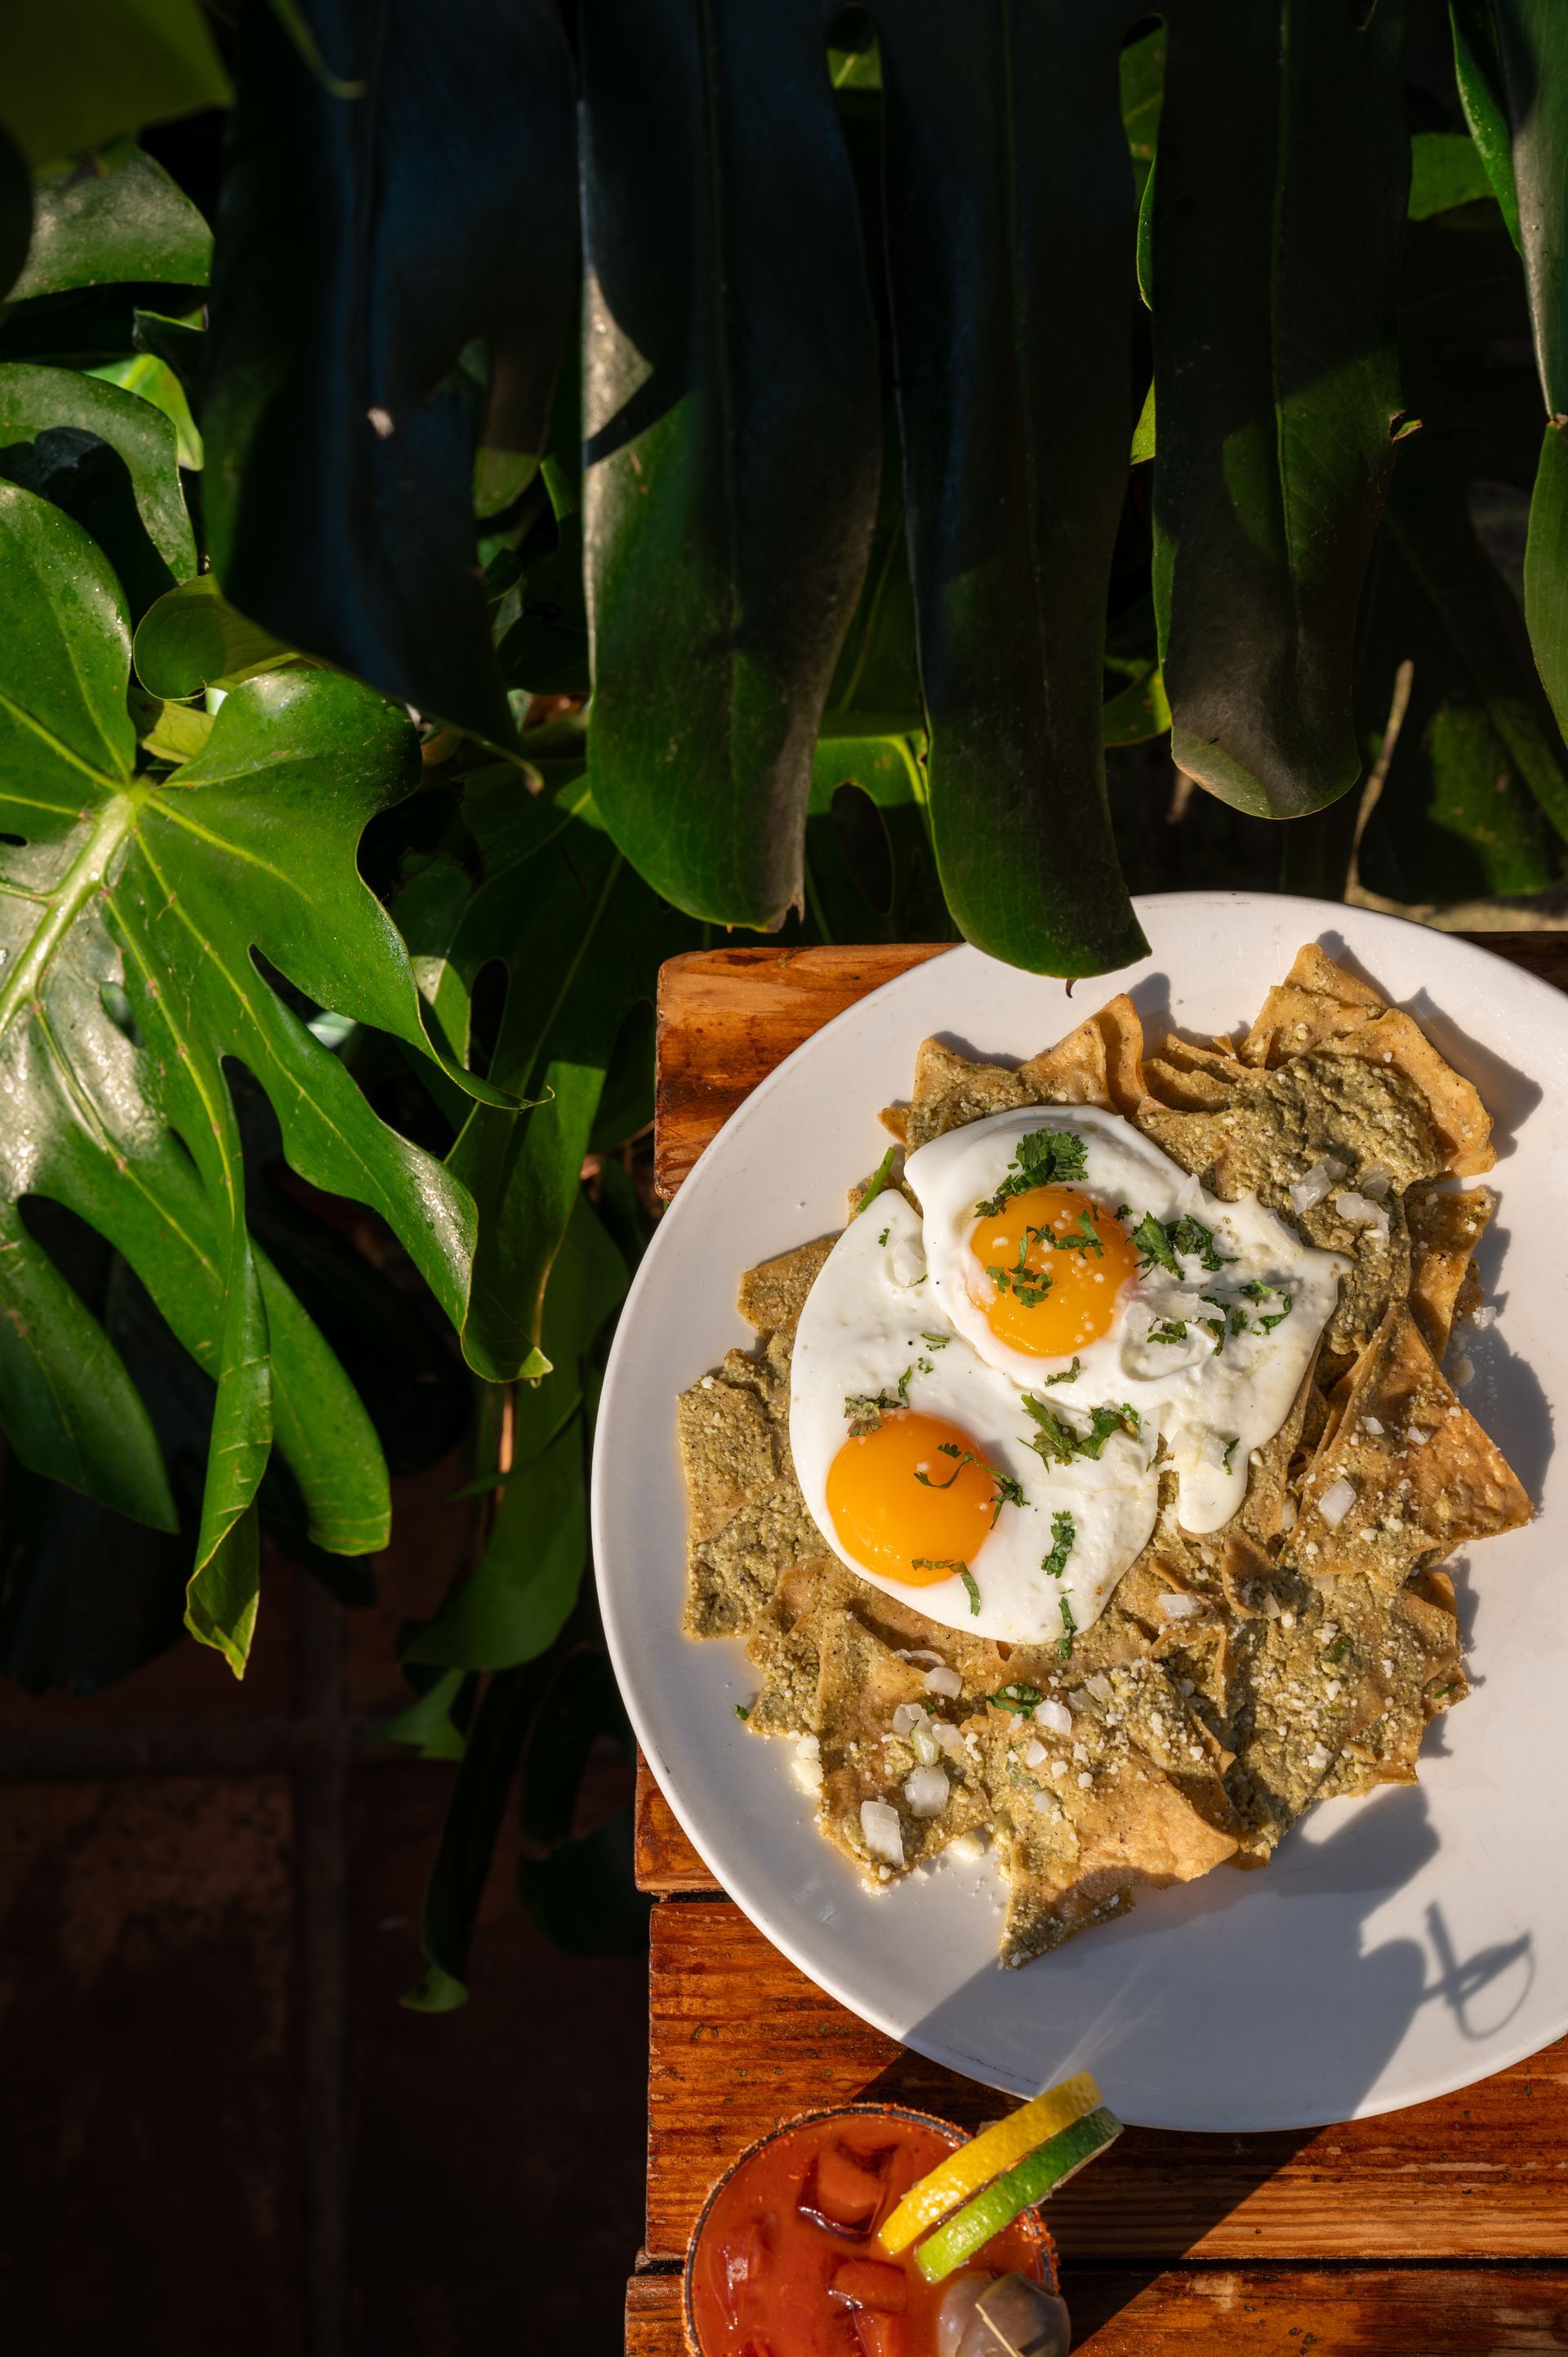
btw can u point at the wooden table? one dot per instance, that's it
(1442, 2229)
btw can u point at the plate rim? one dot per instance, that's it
(1320, 916)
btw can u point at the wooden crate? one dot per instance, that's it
(1443, 2228)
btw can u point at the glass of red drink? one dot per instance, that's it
(784, 2259)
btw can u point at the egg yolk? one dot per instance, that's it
(913, 1501)
(1050, 1271)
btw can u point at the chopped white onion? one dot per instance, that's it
(943, 1681)
(807, 1774)
(1362, 1213)
(945, 1733)
(1416, 1439)
(926, 1793)
(908, 1718)
(1376, 1181)
(1323, 1174)
(1336, 1501)
(1100, 1687)
(1035, 1755)
(1485, 1315)
(1181, 1608)
(907, 1262)
(880, 1829)
(1371, 1424)
(928, 1751)
(1189, 1194)
(1054, 1715)
(917, 1653)
(1287, 1514)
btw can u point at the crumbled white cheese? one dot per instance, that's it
(881, 1831)
(927, 1792)
(1054, 1715)
(944, 1681)
(1336, 1501)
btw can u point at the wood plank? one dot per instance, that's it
(740, 2040)
(666, 1864)
(726, 1017)
(1265, 2311)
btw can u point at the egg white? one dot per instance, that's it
(1211, 1406)
(865, 1323)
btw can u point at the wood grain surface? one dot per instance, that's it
(1440, 2229)
(1257, 2312)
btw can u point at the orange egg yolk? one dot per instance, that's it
(1050, 1271)
(913, 1501)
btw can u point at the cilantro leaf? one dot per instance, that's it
(1052, 1441)
(1068, 1375)
(1230, 1448)
(881, 1176)
(1019, 1696)
(1064, 1530)
(936, 1342)
(1156, 1245)
(969, 1580)
(1069, 1631)
(1168, 1329)
(1103, 1421)
(1044, 1158)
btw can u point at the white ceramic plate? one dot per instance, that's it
(1399, 1945)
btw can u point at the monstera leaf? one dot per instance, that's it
(144, 918)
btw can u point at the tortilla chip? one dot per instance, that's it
(1320, 1005)
(1072, 1072)
(1096, 1816)
(1444, 1232)
(773, 1294)
(726, 1441)
(862, 1683)
(1426, 1477)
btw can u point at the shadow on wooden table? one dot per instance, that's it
(1182, 2187)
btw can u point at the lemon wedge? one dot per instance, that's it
(1000, 2147)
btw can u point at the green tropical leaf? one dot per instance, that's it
(160, 898)
(1478, 72)
(80, 72)
(339, 474)
(1009, 185)
(1278, 216)
(108, 460)
(193, 638)
(114, 218)
(1445, 169)
(733, 447)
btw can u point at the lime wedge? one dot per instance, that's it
(985, 2156)
(1030, 2181)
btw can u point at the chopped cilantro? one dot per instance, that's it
(1103, 1421)
(881, 1176)
(1007, 1493)
(1019, 1696)
(1338, 1651)
(1156, 1245)
(1230, 1448)
(1068, 1375)
(938, 1562)
(969, 1580)
(1027, 1286)
(1124, 1210)
(1069, 1631)
(1161, 1242)
(741, 1711)
(865, 1410)
(1442, 1693)
(1044, 1158)
(1278, 1316)
(949, 1448)
(882, 1239)
(1057, 1443)
(1063, 1531)
(1081, 1237)
(936, 1342)
(1168, 1329)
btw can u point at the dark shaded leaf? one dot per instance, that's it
(468, 1845)
(108, 460)
(731, 411)
(1445, 169)
(15, 213)
(1284, 166)
(340, 465)
(584, 1896)
(1478, 72)
(1009, 183)
(78, 73)
(582, 1703)
(116, 217)
(193, 638)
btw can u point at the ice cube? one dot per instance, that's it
(871, 2283)
(843, 2188)
(749, 2260)
(880, 2335)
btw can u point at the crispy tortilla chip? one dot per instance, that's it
(1444, 1232)
(1422, 1476)
(1072, 1072)
(773, 1294)
(861, 1683)
(951, 1090)
(1321, 1004)
(1096, 1816)
(726, 1441)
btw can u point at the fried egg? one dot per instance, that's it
(982, 1392)
(1092, 1265)
(915, 1456)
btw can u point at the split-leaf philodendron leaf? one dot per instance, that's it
(140, 919)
